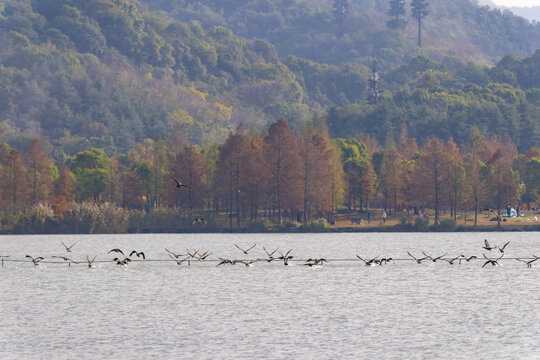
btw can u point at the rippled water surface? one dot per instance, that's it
(342, 310)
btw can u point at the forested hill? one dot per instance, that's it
(111, 73)
(312, 29)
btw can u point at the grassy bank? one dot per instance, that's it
(90, 218)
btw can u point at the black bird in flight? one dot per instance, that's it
(227, 261)
(418, 261)
(491, 261)
(116, 250)
(90, 261)
(178, 262)
(529, 262)
(35, 261)
(369, 262)
(285, 257)
(124, 262)
(179, 184)
(451, 261)
(269, 254)
(501, 249)
(68, 248)
(65, 259)
(467, 259)
(245, 251)
(487, 246)
(432, 258)
(173, 254)
(194, 254)
(314, 262)
(139, 254)
(203, 256)
(199, 220)
(384, 261)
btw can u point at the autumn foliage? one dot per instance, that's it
(280, 175)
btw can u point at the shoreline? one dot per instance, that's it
(372, 229)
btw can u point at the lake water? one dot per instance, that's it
(341, 310)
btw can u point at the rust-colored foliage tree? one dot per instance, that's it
(236, 173)
(38, 166)
(315, 154)
(16, 190)
(282, 162)
(64, 191)
(431, 171)
(256, 179)
(371, 143)
(159, 177)
(337, 179)
(455, 182)
(406, 146)
(133, 189)
(476, 147)
(391, 181)
(190, 167)
(367, 183)
(502, 182)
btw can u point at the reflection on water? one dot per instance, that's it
(340, 310)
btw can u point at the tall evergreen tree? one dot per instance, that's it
(419, 11)
(397, 9)
(342, 10)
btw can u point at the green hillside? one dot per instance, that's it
(111, 73)
(108, 74)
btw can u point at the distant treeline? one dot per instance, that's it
(341, 31)
(277, 174)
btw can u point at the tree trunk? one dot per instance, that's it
(419, 32)
(395, 202)
(436, 196)
(278, 166)
(475, 208)
(305, 194)
(237, 193)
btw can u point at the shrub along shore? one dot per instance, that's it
(92, 218)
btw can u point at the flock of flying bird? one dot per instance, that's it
(123, 260)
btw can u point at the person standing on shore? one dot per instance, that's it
(369, 217)
(384, 216)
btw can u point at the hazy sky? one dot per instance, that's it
(517, 2)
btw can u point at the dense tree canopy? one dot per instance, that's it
(104, 101)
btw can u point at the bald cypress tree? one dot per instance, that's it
(283, 165)
(38, 167)
(419, 12)
(14, 182)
